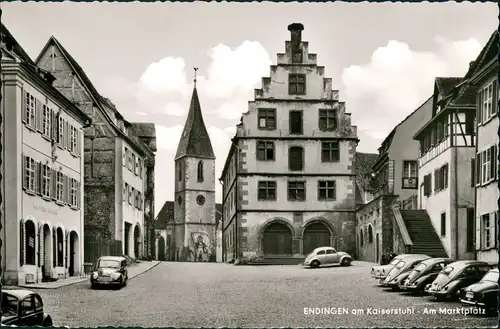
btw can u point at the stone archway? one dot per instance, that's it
(47, 253)
(161, 249)
(74, 254)
(137, 242)
(316, 234)
(277, 239)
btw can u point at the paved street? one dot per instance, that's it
(217, 295)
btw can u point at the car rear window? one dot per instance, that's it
(394, 261)
(420, 267)
(400, 264)
(107, 263)
(491, 276)
(447, 270)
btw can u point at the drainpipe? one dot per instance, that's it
(1, 150)
(474, 172)
(222, 221)
(455, 177)
(237, 242)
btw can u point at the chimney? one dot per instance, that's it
(471, 63)
(296, 33)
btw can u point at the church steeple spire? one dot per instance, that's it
(195, 140)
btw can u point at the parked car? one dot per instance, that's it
(110, 271)
(379, 272)
(325, 256)
(456, 276)
(424, 273)
(401, 270)
(483, 294)
(23, 308)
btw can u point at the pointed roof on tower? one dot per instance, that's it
(195, 140)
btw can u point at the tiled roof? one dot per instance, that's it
(195, 140)
(446, 85)
(489, 52)
(144, 129)
(8, 37)
(167, 214)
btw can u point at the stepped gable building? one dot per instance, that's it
(193, 229)
(118, 164)
(42, 171)
(289, 178)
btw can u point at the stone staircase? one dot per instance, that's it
(422, 233)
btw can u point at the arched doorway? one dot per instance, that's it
(277, 239)
(161, 249)
(126, 247)
(60, 250)
(30, 250)
(46, 253)
(73, 253)
(316, 235)
(137, 241)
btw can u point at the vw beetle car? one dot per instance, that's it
(423, 274)
(23, 308)
(110, 271)
(402, 270)
(326, 256)
(380, 272)
(483, 294)
(456, 276)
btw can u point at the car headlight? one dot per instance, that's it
(115, 276)
(95, 275)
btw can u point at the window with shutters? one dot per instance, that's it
(125, 192)
(427, 185)
(487, 231)
(330, 151)
(45, 181)
(140, 167)
(125, 154)
(296, 191)
(60, 187)
(265, 151)
(267, 119)
(73, 139)
(295, 121)
(130, 194)
(46, 118)
(296, 158)
(487, 102)
(60, 131)
(326, 190)
(30, 110)
(136, 165)
(441, 178)
(130, 160)
(267, 190)
(328, 120)
(297, 84)
(74, 193)
(133, 167)
(29, 174)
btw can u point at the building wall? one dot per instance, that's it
(404, 147)
(487, 194)
(195, 237)
(438, 202)
(24, 205)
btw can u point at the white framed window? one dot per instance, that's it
(486, 159)
(29, 174)
(30, 110)
(487, 106)
(140, 168)
(487, 231)
(74, 192)
(136, 165)
(60, 187)
(125, 191)
(125, 155)
(45, 181)
(130, 163)
(46, 120)
(73, 139)
(130, 194)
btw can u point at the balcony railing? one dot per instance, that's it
(410, 203)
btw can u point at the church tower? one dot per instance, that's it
(194, 209)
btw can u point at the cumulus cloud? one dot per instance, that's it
(397, 79)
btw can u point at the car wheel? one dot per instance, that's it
(345, 262)
(439, 298)
(93, 286)
(47, 322)
(314, 264)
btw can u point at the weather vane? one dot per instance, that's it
(195, 69)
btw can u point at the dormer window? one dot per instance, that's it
(297, 57)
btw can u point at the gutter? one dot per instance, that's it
(455, 174)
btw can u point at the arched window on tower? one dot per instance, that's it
(200, 171)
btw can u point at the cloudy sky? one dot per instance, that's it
(382, 57)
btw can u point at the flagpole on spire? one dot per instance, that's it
(195, 69)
